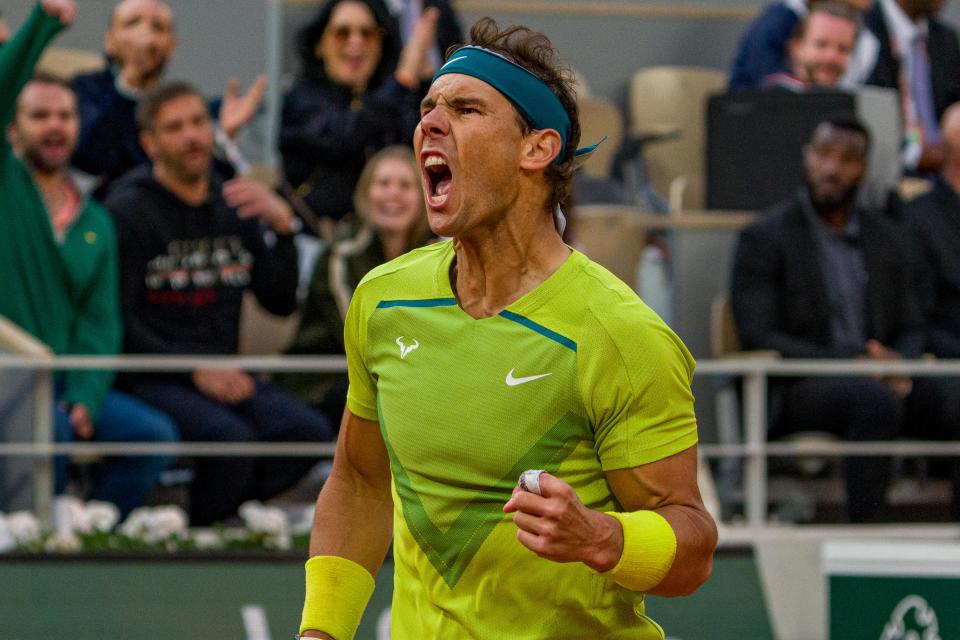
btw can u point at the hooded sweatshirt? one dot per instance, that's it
(184, 268)
(63, 291)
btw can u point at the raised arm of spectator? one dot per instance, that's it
(309, 128)
(97, 329)
(274, 279)
(19, 55)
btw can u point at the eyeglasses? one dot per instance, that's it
(368, 34)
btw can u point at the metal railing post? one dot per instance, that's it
(755, 471)
(43, 466)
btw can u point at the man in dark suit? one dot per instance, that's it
(934, 219)
(817, 277)
(919, 56)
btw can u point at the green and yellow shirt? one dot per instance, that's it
(578, 377)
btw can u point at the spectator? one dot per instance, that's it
(919, 56)
(138, 44)
(817, 277)
(407, 13)
(190, 245)
(354, 97)
(389, 202)
(763, 49)
(935, 219)
(820, 49)
(58, 258)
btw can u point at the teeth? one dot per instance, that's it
(437, 199)
(433, 161)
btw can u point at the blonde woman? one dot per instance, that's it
(392, 218)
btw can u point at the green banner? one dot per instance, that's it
(894, 608)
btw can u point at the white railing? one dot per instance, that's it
(754, 448)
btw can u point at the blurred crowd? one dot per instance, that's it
(133, 225)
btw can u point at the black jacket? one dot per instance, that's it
(934, 219)
(183, 269)
(943, 50)
(779, 297)
(327, 134)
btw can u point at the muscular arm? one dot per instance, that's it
(355, 510)
(557, 526)
(669, 487)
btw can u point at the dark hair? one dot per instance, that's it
(390, 46)
(833, 8)
(849, 123)
(150, 105)
(533, 51)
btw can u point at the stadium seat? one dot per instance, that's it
(261, 332)
(676, 163)
(66, 63)
(599, 118)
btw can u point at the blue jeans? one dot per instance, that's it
(220, 485)
(125, 481)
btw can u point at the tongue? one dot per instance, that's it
(443, 187)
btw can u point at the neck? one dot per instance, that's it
(50, 184)
(495, 266)
(837, 218)
(193, 192)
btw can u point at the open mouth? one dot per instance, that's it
(439, 178)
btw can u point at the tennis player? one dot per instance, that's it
(503, 350)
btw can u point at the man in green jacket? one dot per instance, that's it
(58, 257)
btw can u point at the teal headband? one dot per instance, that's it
(528, 93)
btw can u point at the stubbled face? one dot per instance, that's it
(821, 55)
(351, 45)
(469, 146)
(182, 139)
(45, 129)
(142, 31)
(394, 198)
(835, 163)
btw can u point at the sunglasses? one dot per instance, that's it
(368, 34)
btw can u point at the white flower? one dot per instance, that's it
(263, 519)
(102, 516)
(156, 524)
(58, 542)
(69, 516)
(270, 522)
(169, 522)
(24, 527)
(207, 539)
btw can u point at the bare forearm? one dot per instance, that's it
(696, 541)
(353, 520)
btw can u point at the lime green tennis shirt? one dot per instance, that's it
(577, 377)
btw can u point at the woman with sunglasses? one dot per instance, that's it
(357, 94)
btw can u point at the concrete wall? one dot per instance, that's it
(224, 38)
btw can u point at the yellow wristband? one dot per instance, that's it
(337, 593)
(649, 547)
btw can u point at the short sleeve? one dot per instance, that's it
(362, 393)
(634, 378)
